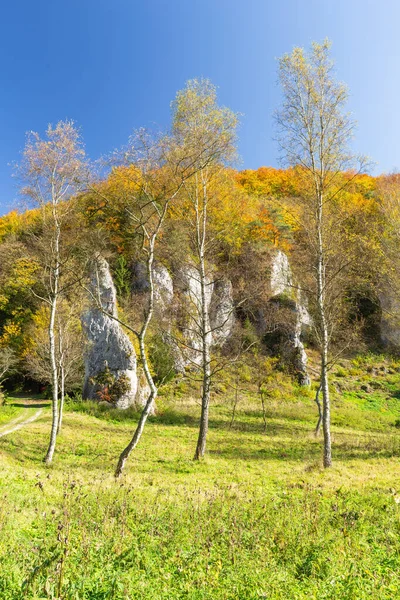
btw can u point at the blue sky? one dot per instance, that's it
(114, 65)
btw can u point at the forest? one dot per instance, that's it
(200, 364)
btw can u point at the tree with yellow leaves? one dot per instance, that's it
(52, 170)
(207, 131)
(314, 133)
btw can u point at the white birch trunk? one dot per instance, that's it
(321, 282)
(54, 373)
(52, 341)
(205, 330)
(146, 367)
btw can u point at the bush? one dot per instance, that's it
(341, 372)
(111, 387)
(3, 397)
(162, 359)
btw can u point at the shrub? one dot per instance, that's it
(3, 397)
(162, 359)
(341, 372)
(111, 387)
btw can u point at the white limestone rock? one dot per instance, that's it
(222, 318)
(281, 284)
(188, 282)
(281, 275)
(108, 345)
(163, 288)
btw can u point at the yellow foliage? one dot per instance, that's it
(11, 331)
(15, 223)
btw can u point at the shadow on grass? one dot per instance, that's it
(279, 423)
(43, 404)
(252, 424)
(342, 450)
(245, 441)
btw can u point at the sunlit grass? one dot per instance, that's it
(257, 518)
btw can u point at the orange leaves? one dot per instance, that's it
(353, 193)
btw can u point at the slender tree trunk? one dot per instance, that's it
(62, 396)
(54, 372)
(205, 396)
(205, 405)
(62, 377)
(143, 356)
(141, 336)
(53, 358)
(318, 403)
(235, 403)
(205, 330)
(324, 338)
(264, 416)
(326, 415)
(145, 412)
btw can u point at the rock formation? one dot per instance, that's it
(221, 311)
(281, 285)
(163, 288)
(110, 361)
(220, 314)
(188, 286)
(281, 275)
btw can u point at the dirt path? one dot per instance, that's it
(23, 419)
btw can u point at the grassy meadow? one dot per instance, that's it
(258, 518)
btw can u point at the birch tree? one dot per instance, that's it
(153, 171)
(52, 171)
(152, 181)
(148, 175)
(208, 132)
(314, 132)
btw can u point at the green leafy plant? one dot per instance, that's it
(111, 386)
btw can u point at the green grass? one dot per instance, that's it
(8, 412)
(257, 518)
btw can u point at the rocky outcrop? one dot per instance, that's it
(299, 353)
(188, 280)
(221, 312)
(282, 286)
(177, 300)
(178, 306)
(110, 360)
(163, 288)
(188, 351)
(110, 363)
(281, 275)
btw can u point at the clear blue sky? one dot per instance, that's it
(113, 65)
